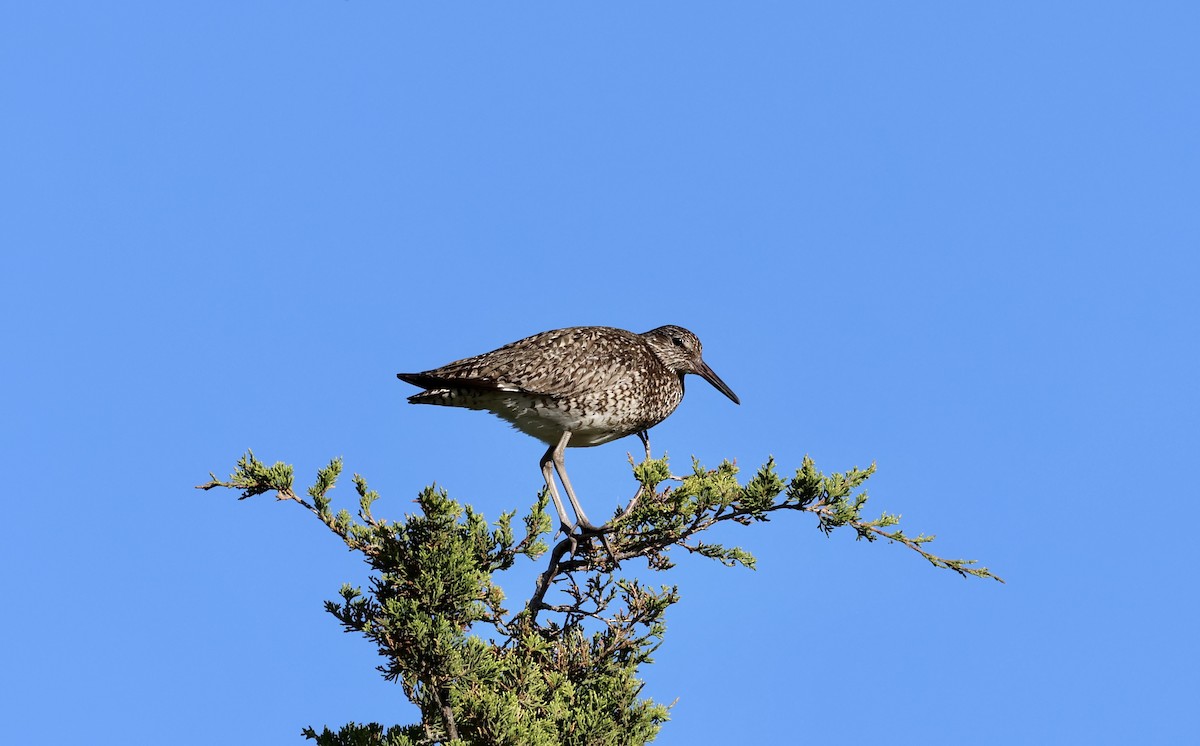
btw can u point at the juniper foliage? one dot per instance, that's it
(556, 671)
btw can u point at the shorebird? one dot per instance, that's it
(576, 387)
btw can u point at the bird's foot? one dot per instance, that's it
(589, 531)
(586, 532)
(587, 528)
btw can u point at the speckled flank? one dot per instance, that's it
(596, 382)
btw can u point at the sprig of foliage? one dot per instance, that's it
(704, 498)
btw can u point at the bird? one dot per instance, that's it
(576, 387)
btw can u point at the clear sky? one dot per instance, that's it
(958, 239)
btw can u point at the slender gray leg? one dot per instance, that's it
(644, 436)
(586, 526)
(547, 464)
(556, 454)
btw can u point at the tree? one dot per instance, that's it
(560, 670)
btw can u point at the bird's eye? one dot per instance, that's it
(677, 341)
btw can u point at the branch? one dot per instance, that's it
(535, 603)
(707, 497)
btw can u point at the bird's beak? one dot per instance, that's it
(707, 374)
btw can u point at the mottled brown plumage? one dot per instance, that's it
(580, 386)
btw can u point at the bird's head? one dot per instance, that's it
(680, 350)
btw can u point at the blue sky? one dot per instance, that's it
(958, 239)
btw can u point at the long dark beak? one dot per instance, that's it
(707, 374)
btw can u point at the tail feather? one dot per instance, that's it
(431, 382)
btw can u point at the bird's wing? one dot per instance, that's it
(558, 363)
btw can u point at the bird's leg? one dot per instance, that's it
(567, 526)
(556, 455)
(586, 526)
(644, 436)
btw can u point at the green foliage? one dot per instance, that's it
(554, 672)
(253, 477)
(371, 734)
